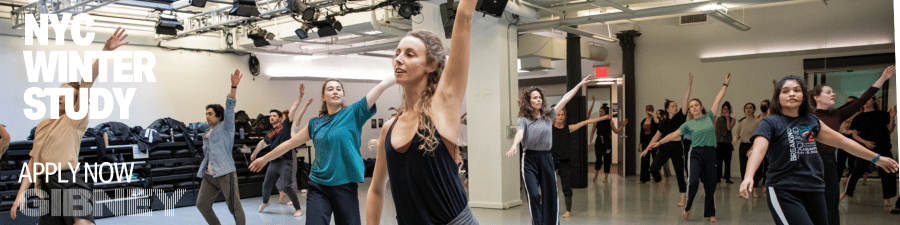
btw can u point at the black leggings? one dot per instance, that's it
(603, 151)
(723, 160)
(760, 171)
(564, 169)
(646, 160)
(672, 150)
(888, 180)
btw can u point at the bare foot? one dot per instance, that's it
(713, 219)
(299, 213)
(289, 203)
(566, 215)
(887, 203)
(595, 179)
(641, 182)
(606, 178)
(263, 206)
(281, 196)
(842, 197)
(686, 215)
(755, 195)
(681, 204)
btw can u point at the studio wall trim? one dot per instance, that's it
(886, 46)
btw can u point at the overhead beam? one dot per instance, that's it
(689, 8)
(618, 6)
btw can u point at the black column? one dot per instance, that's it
(575, 112)
(627, 42)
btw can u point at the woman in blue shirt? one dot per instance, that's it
(338, 165)
(702, 155)
(795, 175)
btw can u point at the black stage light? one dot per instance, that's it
(260, 36)
(198, 3)
(328, 27)
(491, 7)
(301, 33)
(246, 8)
(408, 9)
(309, 14)
(168, 25)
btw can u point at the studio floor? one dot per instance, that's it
(621, 201)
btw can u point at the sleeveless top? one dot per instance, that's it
(560, 149)
(425, 186)
(604, 133)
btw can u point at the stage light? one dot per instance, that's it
(168, 25)
(408, 9)
(260, 37)
(246, 8)
(328, 27)
(198, 3)
(301, 33)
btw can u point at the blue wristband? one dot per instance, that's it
(877, 157)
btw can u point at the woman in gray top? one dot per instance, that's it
(535, 131)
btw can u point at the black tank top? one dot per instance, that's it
(604, 132)
(560, 149)
(425, 186)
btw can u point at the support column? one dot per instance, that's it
(627, 42)
(576, 112)
(491, 106)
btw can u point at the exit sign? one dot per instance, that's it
(601, 71)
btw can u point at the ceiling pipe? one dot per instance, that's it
(366, 48)
(688, 8)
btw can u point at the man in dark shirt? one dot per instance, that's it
(281, 167)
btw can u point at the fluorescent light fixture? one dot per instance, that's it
(586, 34)
(728, 20)
(614, 5)
(606, 83)
(374, 32)
(713, 7)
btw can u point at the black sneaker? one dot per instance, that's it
(895, 211)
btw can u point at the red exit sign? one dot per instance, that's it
(601, 71)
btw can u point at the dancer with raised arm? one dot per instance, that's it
(674, 150)
(795, 177)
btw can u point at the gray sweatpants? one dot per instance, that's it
(279, 168)
(210, 188)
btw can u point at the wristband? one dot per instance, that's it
(877, 157)
(726, 85)
(235, 87)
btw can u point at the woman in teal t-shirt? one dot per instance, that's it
(338, 166)
(702, 155)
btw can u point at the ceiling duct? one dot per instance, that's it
(534, 63)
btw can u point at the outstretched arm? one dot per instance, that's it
(618, 129)
(715, 106)
(757, 153)
(375, 197)
(115, 41)
(515, 145)
(299, 115)
(833, 138)
(568, 96)
(292, 143)
(574, 127)
(591, 109)
(296, 104)
(451, 88)
(687, 95)
(373, 94)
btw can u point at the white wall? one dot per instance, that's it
(187, 81)
(666, 52)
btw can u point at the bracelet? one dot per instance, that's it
(877, 157)
(726, 85)
(235, 87)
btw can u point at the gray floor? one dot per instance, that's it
(621, 201)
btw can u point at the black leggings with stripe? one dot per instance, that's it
(540, 185)
(796, 207)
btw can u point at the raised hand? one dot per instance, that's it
(236, 78)
(309, 102)
(593, 98)
(625, 122)
(893, 112)
(586, 80)
(690, 79)
(889, 72)
(727, 78)
(115, 41)
(302, 90)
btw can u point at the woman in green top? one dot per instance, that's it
(702, 155)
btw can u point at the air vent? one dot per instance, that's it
(692, 19)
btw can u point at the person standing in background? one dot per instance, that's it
(724, 124)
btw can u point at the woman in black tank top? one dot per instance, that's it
(418, 151)
(562, 153)
(603, 143)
